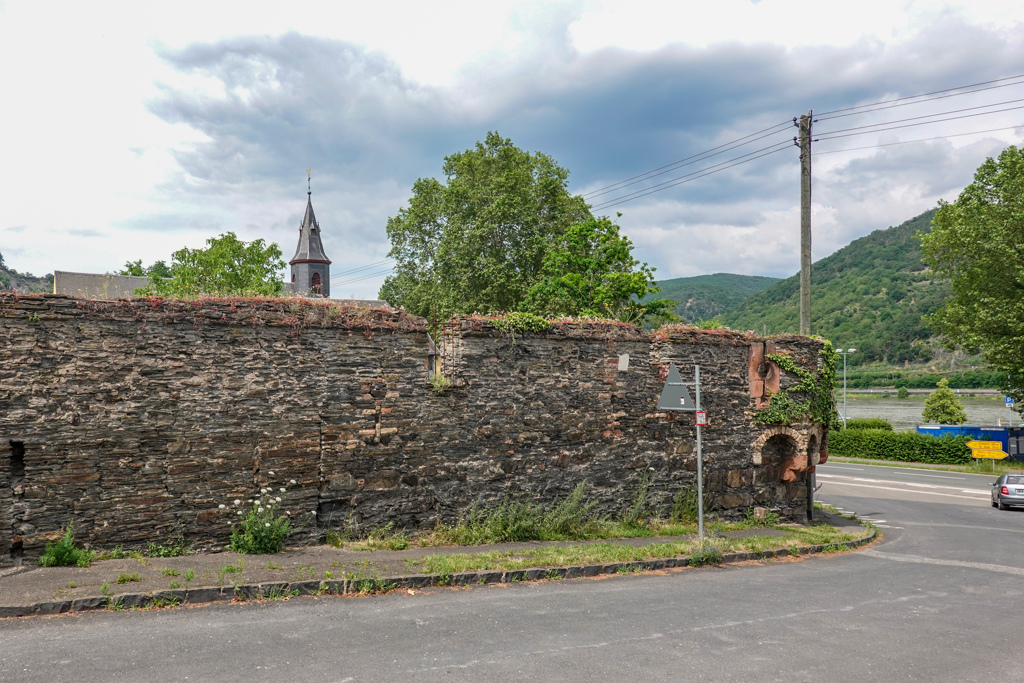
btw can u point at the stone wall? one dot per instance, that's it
(138, 418)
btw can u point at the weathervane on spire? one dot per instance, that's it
(309, 184)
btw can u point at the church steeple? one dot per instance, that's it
(310, 267)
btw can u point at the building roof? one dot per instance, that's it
(97, 285)
(310, 248)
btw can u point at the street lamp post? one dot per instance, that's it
(844, 353)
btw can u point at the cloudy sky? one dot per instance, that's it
(129, 130)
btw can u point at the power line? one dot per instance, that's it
(360, 279)
(378, 264)
(831, 135)
(928, 116)
(926, 94)
(637, 178)
(669, 183)
(623, 200)
(907, 104)
(905, 142)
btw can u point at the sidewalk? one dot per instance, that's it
(320, 569)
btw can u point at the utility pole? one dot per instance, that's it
(804, 127)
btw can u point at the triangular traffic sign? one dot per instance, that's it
(675, 396)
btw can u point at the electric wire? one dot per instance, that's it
(905, 142)
(637, 178)
(928, 116)
(343, 273)
(831, 135)
(671, 181)
(621, 200)
(926, 94)
(360, 279)
(907, 104)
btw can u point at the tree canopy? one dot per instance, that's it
(497, 227)
(158, 269)
(590, 271)
(227, 267)
(943, 407)
(977, 243)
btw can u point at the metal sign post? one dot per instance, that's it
(674, 396)
(700, 458)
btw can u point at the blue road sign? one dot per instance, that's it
(1009, 400)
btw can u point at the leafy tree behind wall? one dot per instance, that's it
(591, 271)
(977, 243)
(157, 269)
(497, 227)
(227, 267)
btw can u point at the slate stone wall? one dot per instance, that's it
(139, 418)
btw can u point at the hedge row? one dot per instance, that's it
(868, 423)
(880, 444)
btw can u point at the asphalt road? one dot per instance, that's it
(940, 599)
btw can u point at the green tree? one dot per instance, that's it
(477, 241)
(943, 407)
(227, 267)
(977, 243)
(902, 393)
(591, 271)
(158, 269)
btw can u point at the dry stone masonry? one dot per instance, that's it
(137, 419)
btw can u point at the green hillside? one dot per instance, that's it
(705, 296)
(23, 283)
(870, 294)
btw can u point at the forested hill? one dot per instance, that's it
(705, 296)
(24, 283)
(870, 294)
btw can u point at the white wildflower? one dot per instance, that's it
(268, 523)
(263, 491)
(271, 472)
(278, 499)
(222, 506)
(238, 502)
(293, 481)
(259, 510)
(239, 513)
(283, 490)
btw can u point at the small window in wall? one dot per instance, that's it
(316, 283)
(293, 277)
(17, 463)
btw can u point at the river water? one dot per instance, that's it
(905, 413)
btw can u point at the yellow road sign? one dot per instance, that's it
(990, 454)
(985, 445)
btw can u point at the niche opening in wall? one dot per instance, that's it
(17, 464)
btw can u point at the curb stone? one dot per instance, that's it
(258, 591)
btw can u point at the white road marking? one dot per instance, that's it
(949, 563)
(936, 476)
(847, 481)
(927, 493)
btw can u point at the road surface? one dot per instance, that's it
(941, 598)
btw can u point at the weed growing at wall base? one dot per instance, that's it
(63, 553)
(264, 528)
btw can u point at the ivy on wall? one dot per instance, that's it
(811, 399)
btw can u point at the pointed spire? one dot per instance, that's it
(310, 248)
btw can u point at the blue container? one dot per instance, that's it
(975, 433)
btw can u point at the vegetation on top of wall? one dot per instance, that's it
(818, 403)
(521, 322)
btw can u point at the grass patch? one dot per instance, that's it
(607, 553)
(385, 537)
(128, 578)
(175, 548)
